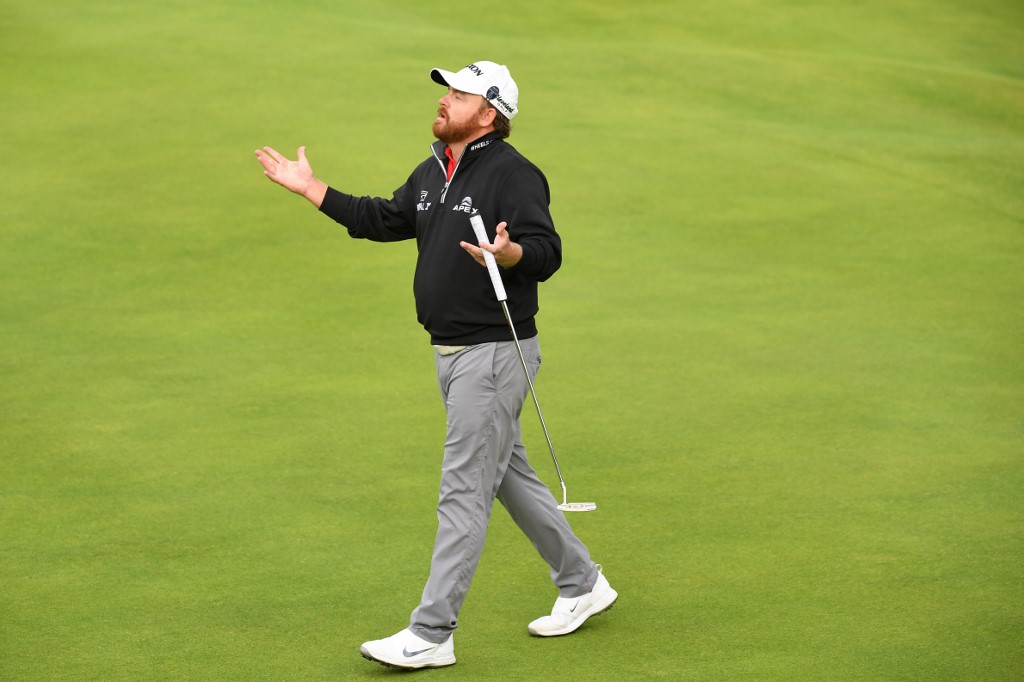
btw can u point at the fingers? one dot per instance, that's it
(270, 159)
(268, 153)
(475, 252)
(501, 237)
(506, 252)
(273, 153)
(266, 161)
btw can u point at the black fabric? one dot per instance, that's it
(455, 301)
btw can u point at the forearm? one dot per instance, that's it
(372, 218)
(531, 229)
(540, 258)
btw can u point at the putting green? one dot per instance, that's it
(783, 354)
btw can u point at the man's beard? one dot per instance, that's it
(450, 132)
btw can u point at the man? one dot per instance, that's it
(472, 170)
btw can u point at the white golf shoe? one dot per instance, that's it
(406, 650)
(568, 614)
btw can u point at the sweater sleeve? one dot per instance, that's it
(525, 207)
(373, 218)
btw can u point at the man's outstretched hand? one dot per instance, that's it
(506, 252)
(296, 176)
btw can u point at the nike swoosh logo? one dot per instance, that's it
(410, 654)
(573, 609)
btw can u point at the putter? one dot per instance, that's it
(499, 290)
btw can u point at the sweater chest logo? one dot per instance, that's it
(424, 204)
(465, 206)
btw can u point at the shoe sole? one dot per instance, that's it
(399, 666)
(595, 610)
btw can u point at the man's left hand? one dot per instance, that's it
(506, 252)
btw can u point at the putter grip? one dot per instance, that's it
(492, 267)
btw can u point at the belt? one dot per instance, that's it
(449, 350)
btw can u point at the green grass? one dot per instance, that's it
(784, 354)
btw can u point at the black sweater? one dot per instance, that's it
(455, 301)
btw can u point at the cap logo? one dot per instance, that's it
(492, 92)
(475, 69)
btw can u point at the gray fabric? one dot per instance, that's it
(484, 389)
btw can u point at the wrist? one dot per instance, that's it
(315, 192)
(511, 256)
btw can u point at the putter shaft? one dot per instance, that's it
(536, 403)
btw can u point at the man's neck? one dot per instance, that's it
(459, 147)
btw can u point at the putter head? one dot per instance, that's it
(577, 506)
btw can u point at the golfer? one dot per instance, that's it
(472, 171)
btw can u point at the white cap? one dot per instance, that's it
(491, 81)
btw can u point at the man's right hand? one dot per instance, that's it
(294, 175)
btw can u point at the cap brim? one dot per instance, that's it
(465, 83)
(440, 76)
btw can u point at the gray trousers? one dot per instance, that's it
(484, 389)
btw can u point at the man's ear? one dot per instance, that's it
(487, 116)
